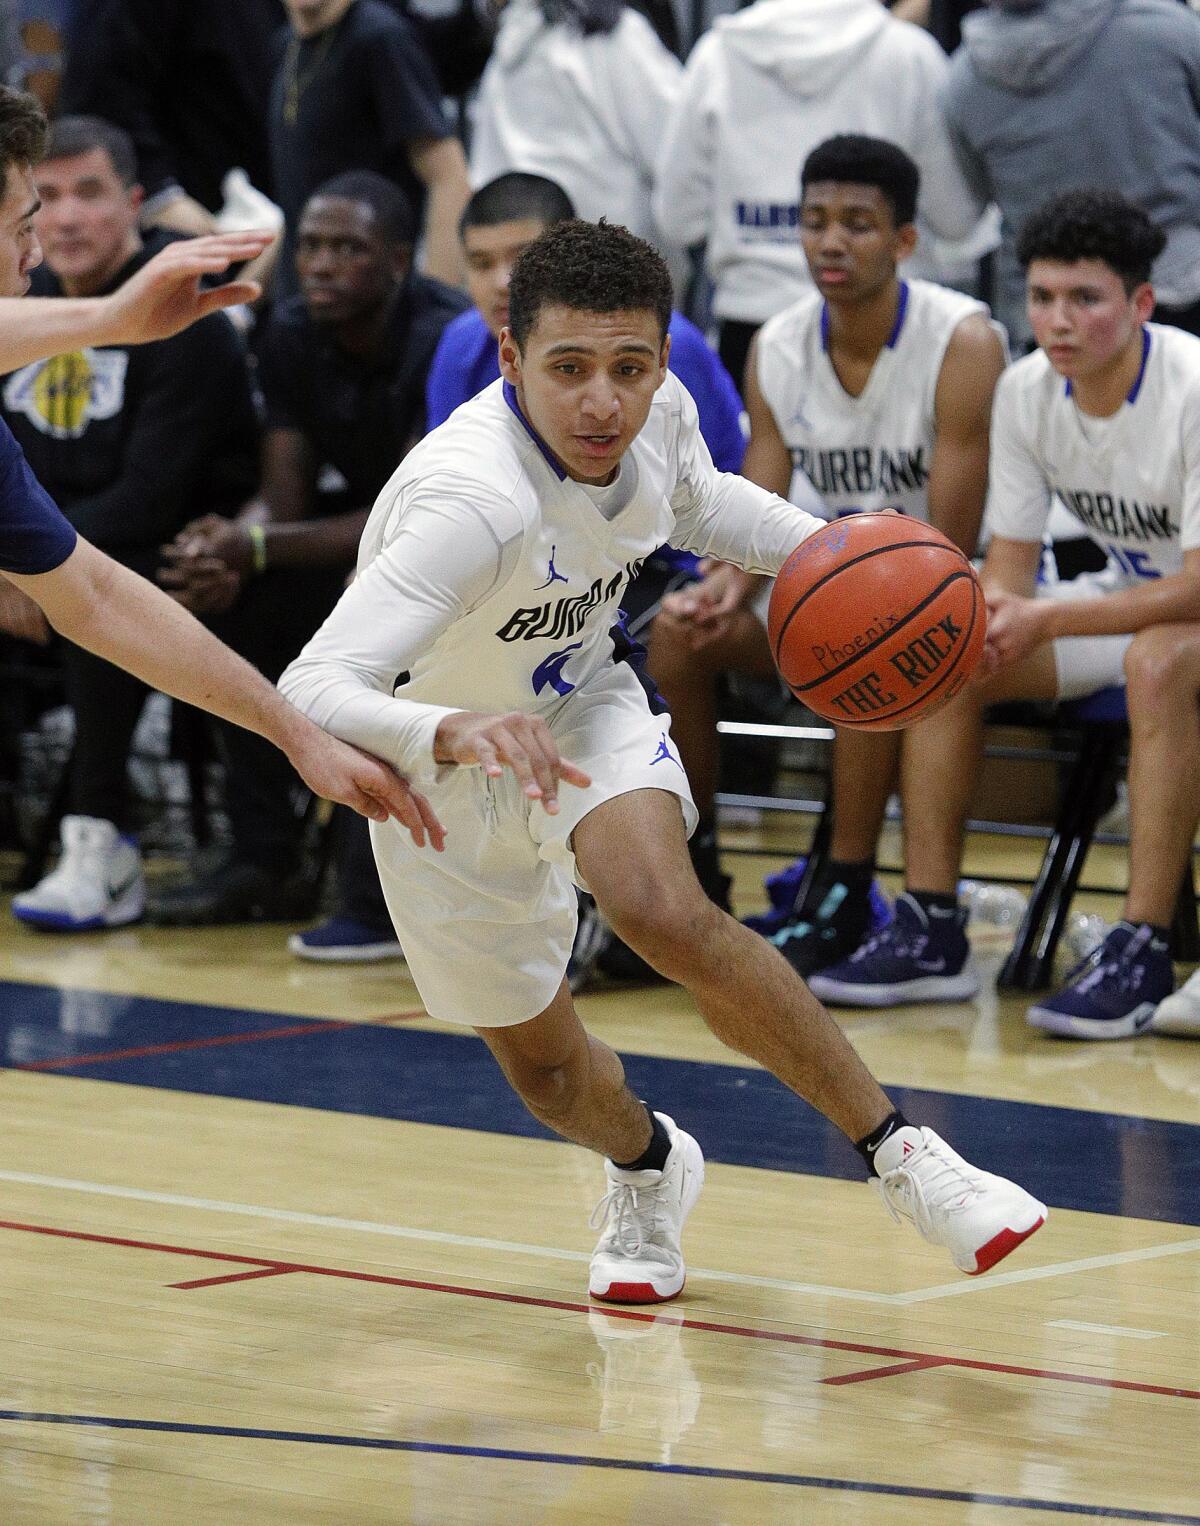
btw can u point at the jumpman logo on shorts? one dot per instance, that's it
(664, 753)
(555, 575)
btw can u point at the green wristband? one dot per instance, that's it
(258, 543)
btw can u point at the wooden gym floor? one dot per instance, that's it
(278, 1248)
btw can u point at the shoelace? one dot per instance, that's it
(890, 937)
(1112, 971)
(932, 1188)
(618, 1208)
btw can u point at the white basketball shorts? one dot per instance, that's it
(487, 926)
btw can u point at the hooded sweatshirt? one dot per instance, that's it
(760, 91)
(586, 112)
(1056, 96)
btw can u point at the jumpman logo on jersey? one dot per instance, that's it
(555, 575)
(664, 753)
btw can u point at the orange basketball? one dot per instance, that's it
(876, 621)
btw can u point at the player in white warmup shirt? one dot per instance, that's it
(477, 648)
(876, 393)
(1105, 415)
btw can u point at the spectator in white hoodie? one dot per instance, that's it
(577, 91)
(760, 91)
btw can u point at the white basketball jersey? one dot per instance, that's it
(490, 581)
(1131, 480)
(873, 451)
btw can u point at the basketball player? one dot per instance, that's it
(48, 572)
(876, 392)
(1105, 414)
(456, 655)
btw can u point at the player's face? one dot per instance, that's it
(346, 267)
(308, 17)
(490, 254)
(1082, 316)
(88, 219)
(850, 239)
(20, 250)
(586, 381)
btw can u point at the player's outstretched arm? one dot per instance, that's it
(162, 298)
(521, 742)
(104, 607)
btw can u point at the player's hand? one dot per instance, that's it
(707, 608)
(340, 772)
(20, 616)
(521, 742)
(166, 295)
(1016, 626)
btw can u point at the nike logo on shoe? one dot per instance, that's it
(117, 890)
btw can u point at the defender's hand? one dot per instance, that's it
(517, 741)
(340, 772)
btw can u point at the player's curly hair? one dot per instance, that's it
(1093, 225)
(22, 130)
(594, 267)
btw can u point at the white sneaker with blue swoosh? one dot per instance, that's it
(97, 883)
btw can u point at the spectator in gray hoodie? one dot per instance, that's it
(1047, 96)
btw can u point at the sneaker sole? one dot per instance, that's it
(368, 953)
(1181, 1024)
(653, 1292)
(1068, 1027)
(999, 1246)
(939, 988)
(120, 914)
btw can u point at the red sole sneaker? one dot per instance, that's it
(1001, 1245)
(632, 1292)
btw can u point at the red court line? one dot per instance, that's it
(215, 1041)
(216, 1282)
(907, 1361)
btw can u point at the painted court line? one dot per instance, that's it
(554, 1253)
(616, 1464)
(909, 1361)
(1126, 1330)
(305, 1029)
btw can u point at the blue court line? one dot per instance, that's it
(617, 1464)
(1096, 1162)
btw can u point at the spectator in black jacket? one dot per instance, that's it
(187, 82)
(132, 442)
(343, 368)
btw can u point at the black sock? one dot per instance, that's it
(654, 1156)
(867, 1147)
(855, 876)
(933, 900)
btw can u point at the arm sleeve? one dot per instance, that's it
(403, 82)
(682, 197)
(197, 384)
(444, 558)
(1018, 499)
(720, 515)
(34, 535)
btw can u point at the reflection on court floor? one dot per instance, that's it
(275, 1243)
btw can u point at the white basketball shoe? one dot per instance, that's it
(97, 883)
(1179, 1013)
(638, 1257)
(979, 1218)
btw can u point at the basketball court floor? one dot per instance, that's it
(276, 1247)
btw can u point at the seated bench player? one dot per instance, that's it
(512, 698)
(875, 392)
(1105, 414)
